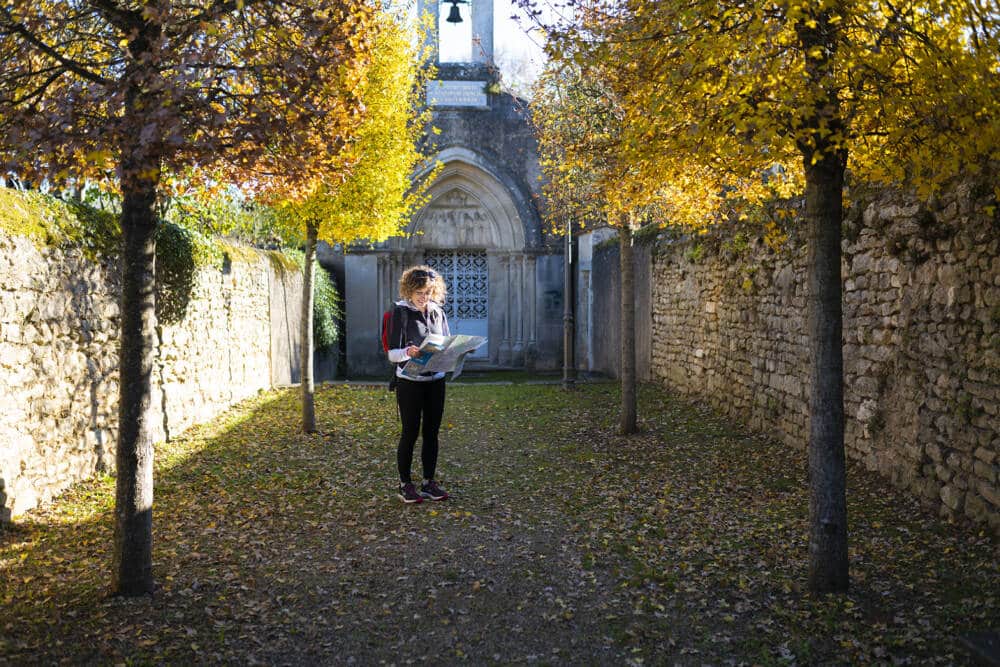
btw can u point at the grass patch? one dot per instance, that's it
(562, 543)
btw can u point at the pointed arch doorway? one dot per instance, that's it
(471, 232)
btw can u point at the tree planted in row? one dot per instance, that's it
(368, 193)
(579, 124)
(124, 93)
(775, 99)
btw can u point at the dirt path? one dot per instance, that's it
(562, 544)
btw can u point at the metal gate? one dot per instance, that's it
(466, 273)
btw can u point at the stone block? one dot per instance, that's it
(22, 497)
(866, 411)
(990, 493)
(986, 455)
(14, 356)
(866, 387)
(8, 306)
(861, 264)
(976, 508)
(958, 462)
(985, 472)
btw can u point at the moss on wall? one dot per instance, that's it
(51, 222)
(181, 250)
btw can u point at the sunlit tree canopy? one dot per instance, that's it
(722, 92)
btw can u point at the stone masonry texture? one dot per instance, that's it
(921, 340)
(59, 329)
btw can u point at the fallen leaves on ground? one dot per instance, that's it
(562, 544)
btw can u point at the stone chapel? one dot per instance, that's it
(481, 227)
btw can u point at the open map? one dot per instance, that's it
(442, 354)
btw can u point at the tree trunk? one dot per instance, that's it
(306, 360)
(627, 423)
(828, 562)
(136, 432)
(824, 165)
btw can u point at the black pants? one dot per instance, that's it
(418, 400)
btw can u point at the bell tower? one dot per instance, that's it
(461, 39)
(481, 226)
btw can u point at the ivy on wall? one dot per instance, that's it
(326, 305)
(51, 222)
(179, 254)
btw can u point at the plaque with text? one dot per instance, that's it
(457, 94)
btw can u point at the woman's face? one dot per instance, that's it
(421, 297)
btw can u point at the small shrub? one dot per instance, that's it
(326, 304)
(694, 253)
(326, 311)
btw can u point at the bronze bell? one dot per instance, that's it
(454, 16)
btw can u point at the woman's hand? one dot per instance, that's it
(412, 351)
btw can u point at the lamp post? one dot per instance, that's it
(569, 351)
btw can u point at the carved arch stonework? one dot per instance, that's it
(468, 208)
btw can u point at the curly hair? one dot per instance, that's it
(417, 278)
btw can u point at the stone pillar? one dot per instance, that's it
(530, 312)
(505, 280)
(517, 310)
(425, 7)
(396, 268)
(383, 287)
(363, 310)
(482, 31)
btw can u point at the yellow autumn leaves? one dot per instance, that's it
(366, 191)
(692, 108)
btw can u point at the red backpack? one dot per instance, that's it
(386, 326)
(386, 329)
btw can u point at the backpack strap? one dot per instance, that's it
(405, 321)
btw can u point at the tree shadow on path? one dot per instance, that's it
(562, 544)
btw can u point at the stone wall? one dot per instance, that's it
(921, 341)
(59, 359)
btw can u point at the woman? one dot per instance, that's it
(418, 313)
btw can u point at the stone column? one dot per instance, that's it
(482, 32)
(505, 280)
(431, 39)
(517, 311)
(383, 287)
(398, 263)
(530, 311)
(364, 303)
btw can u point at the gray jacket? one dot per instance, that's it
(417, 326)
